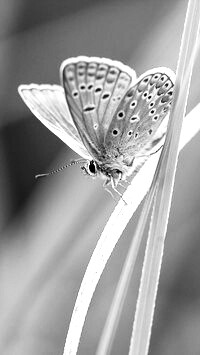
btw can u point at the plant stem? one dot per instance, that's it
(166, 175)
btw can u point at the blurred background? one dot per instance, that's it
(49, 228)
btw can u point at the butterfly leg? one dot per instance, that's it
(120, 183)
(110, 192)
(113, 184)
(156, 151)
(105, 184)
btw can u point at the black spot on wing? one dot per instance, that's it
(141, 111)
(89, 109)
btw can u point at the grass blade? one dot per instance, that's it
(191, 126)
(110, 236)
(166, 174)
(113, 231)
(105, 245)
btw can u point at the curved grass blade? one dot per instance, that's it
(166, 175)
(191, 126)
(113, 230)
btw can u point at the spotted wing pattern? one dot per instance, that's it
(48, 104)
(140, 113)
(94, 88)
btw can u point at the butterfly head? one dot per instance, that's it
(110, 175)
(90, 168)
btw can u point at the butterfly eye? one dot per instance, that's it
(136, 135)
(149, 97)
(92, 168)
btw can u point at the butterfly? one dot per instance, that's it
(105, 113)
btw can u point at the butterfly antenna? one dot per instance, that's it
(73, 162)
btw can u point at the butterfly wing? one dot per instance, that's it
(48, 104)
(135, 124)
(94, 88)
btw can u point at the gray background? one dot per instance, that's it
(49, 228)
